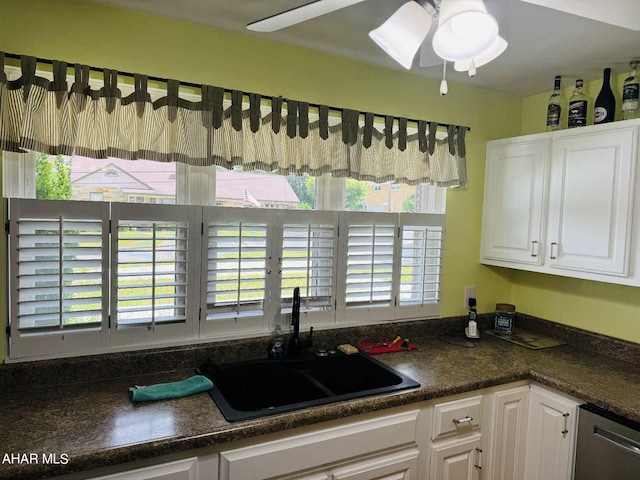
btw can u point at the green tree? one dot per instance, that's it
(355, 193)
(53, 180)
(409, 204)
(300, 185)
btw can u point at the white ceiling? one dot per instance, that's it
(543, 42)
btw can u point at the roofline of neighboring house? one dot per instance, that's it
(119, 169)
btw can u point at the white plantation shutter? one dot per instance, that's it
(154, 266)
(89, 277)
(422, 239)
(307, 260)
(58, 280)
(368, 246)
(237, 251)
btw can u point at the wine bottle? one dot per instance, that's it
(630, 93)
(605, 106)
(578, 107)
(554, 107)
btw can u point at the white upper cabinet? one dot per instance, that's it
(591, 201)
(565, 203)
(513, 201)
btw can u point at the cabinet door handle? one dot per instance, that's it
(564, 430)
(552, 256)
(534, 248)
(478, 465)
(461, 421)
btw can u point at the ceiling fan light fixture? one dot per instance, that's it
(465, 30)
(401, 35)
(494, 51)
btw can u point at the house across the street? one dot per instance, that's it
(142, 181)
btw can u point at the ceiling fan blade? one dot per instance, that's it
(428, 57)
(299, 14)
(626, 13)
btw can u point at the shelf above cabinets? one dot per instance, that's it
(565, 203)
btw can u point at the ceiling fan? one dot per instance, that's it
(466, 33)
(402, 34)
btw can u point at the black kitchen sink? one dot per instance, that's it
(258, 388)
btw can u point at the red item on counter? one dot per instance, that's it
(377, 348)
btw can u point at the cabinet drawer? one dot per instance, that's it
(457, 416)
(321, 447)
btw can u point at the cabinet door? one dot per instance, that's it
(457, 460)
(551, 433)
(397, 466)
(591, 202)
(509, 434)
(180, 470)
(512, 222)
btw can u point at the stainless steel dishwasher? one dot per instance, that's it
(608, 446)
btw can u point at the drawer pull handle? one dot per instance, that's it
(553, 256)
(479, 464)
(462, 421)
(534, 248)
(565, 431)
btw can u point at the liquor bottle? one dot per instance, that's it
(605, 107)
(554, 108)
(578, 107)
(630, 93)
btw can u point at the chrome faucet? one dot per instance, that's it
(295, 344)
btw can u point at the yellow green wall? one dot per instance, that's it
(76, 31)
(600, 307)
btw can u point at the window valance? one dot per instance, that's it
(52, 117)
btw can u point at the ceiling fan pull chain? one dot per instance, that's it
(444, 88)
(472, 68)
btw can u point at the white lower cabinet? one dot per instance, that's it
(402, 465)
(186, 469)
(382, 447)
(510, 409)
(551, 435)
(457, 434)
(457, 460)
(509, 432)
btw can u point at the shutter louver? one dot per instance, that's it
(308, 252)
(58, 277)
(236, 269)
(152, 272)
(59, 273)
(421, 265)
(369, 280)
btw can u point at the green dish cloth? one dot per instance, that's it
(161, 391)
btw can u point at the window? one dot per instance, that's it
(88, 277)
(201, 253)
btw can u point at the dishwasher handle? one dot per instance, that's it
(620, 441)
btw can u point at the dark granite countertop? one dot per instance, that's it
(96, 425)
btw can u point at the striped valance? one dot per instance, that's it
(50, 117)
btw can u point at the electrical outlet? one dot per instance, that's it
(469, 292)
